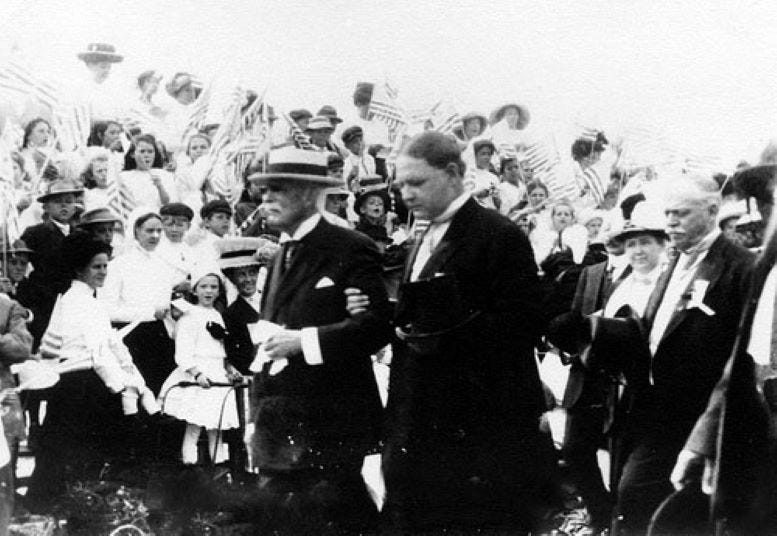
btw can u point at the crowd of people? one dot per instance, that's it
(158, 298)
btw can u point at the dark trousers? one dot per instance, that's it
(582, 440)
(645, 481)
(328, 501)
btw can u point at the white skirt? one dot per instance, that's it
(198, 405)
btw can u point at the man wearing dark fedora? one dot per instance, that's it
(464, 451)
(316, 407)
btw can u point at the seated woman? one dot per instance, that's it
(95, 180)
(84, 426)
(479, 180)
(36, 146)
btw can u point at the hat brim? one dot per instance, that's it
(13, 251)
(634, 231)
(523, 115)
(382, 193)
(318, 180)
(100, 56)
(98, 220)
(44, 197)
(238, 262)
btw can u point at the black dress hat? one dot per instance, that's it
(431, 309)
(756, 181)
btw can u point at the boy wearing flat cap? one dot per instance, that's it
(216, 218)
(176, 220)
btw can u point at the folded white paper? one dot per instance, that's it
(261, 331)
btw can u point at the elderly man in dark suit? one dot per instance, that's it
(463, 451)
(316, 407)
(689, 327)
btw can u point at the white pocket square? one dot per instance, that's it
(325, 282)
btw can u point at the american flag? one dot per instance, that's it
(14, 75)
(73, 124)
(445, 118)
(596, 179)
(543, 157)
(384, 108)
(120, 199)
(301, 140)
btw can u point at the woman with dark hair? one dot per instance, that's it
(150, 185)
(106, 134)
(84, 426)
(138, 288)
(36, 145)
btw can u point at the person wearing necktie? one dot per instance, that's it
(689, 327)
(316, 410)
(463, 450)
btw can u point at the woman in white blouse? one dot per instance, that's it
(138, 288)
(150, 185)
(84, 426)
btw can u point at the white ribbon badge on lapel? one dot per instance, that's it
(696, 300)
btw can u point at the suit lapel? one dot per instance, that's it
(451, 240)
(305, 263)
(710, 269)
(658, 294)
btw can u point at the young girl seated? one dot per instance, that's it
(201, 359)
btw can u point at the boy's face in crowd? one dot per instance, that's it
(175, 227)
(356, 145)
(103, 231)
(483, 157)
(17, 266)
(218, 223)
(61, 207)
(335, 203)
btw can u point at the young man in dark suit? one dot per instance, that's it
(316, 408)
(464, 451)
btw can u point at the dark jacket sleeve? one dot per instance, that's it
(366, 332)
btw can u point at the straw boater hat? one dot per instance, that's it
(523, 114)
(97, 215)
(239, 252)
(320, 122)
(290, 163)
(60, 187)
(646, 218)
(17, 246)
(96, 52)
(331, 113)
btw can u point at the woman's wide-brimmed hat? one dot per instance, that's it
(380, 190)
(646, 218)
(291, 163)
(178, 82)
(469, 117)
(60, 187)
(523, 114)
(97, 52)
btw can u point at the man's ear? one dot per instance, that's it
(454, 170)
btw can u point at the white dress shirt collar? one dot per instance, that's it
(63, 227)
(302, 230)
(452, 209)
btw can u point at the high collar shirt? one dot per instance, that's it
(684, 272)
(434, 234)
(138, 283)
(634, 291)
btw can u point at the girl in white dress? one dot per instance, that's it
(201, 358)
